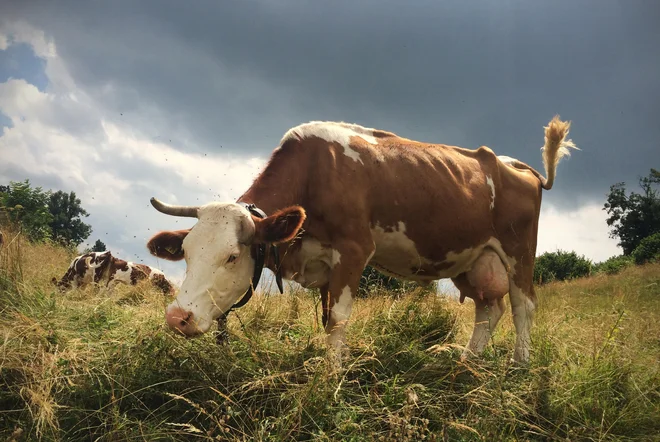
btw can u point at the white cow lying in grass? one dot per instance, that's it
(103, 268)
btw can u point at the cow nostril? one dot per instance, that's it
(184, 321)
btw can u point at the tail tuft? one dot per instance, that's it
(556, 147)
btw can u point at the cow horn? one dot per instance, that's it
(188, 211)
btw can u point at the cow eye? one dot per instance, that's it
(231, 259)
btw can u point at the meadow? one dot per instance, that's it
(85, 366)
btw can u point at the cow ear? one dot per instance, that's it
(282, 226)
(168, 244)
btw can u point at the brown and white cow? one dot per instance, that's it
(104, 269)
(340, 196)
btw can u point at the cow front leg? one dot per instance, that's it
(325, 301)
(344, 280)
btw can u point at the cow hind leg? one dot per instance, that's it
(487, 313)
(523, 305)
(107, 288)
(486, 316)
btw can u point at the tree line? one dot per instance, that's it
(634, 219)
(44, 215)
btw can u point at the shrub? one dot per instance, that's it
(613, 265)
(648, 249)
(560, 266)
(28, 207)
(373, 281)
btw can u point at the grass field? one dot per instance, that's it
(85, 366)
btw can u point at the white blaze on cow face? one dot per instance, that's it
(217, 255)
(219, 267)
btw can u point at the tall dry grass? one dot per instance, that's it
(89, 366)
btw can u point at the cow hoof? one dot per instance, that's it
(467, 355)
(336, 356)
(518, 364)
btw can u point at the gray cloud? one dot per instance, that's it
(229, 78)
(238, 74)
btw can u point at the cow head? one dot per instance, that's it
(217, 251)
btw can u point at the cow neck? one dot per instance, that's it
(260, 253)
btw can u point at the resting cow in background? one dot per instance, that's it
(340, 196)
(103, 268)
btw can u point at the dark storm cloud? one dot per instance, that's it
(238, 74)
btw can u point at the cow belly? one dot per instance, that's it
(397, 255)
(489, 276)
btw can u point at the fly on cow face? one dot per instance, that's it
(218, 266)
(217, 253)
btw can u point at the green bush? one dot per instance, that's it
(44, 215)
(613, 265)
(648, 249)
(373, 281)
(28, 207)
(560, 266)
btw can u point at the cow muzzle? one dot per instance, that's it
(182, 321)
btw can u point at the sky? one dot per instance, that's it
(121, 101)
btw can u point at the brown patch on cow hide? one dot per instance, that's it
(117, 264)
(80, 266)
(160, 282)
(139, 272)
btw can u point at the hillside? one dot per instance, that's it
(85, 366)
